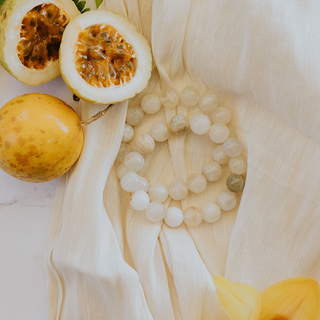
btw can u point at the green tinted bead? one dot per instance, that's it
(235, 183)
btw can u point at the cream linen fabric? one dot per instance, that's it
(261, 58)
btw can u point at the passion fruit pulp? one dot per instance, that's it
(30, 37)
(40, 137)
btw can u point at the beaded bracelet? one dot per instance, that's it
(142, 197)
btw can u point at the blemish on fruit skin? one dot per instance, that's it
(13, 119)
(19, 101)
(17, 128)
(23, 160)
(7, 144)
(21, 141)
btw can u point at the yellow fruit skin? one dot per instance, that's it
(40, 137)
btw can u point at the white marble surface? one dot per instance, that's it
(23, 236)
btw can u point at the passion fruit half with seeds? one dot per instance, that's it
(103, 58)
(30, 37)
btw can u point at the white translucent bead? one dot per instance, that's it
(221, 115)
(200, 124)
(140, 200)
(159, 131)
(173, 217)
(144, 144)
(170, 97)
(155, 211)
(192, 217)
(144, 184)
(212, 171)
(190, 96)
(238, 165)
(197, 183)
(135, 115)
(130, 182)
(121, 170)
(211, 212)
(208, 102)
(123, 151)
(134, 161)
(219, 155)
(128, 133)
(158, 192)
(218, 133)
(150, 103)
(178, 190)
(232, 147)
(226, 200)
(179, 124)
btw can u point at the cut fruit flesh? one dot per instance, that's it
(30, 36)
(41, 32)
(103, 58)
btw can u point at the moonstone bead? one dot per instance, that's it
(232, 147)
(144, 144)
(173, 217)
(170, 97)
(159, 131)
(212, 171)
(218, 133)
(238, 165)
(134, 161)
(130, 182)
(158, 192)
(135, 115)
(123, 151)
(235, 183)
(221, 115)
(208, 102)
(211, 212)
(140, 200)
(144, 184)
(178, 190)
(192, 217)
(219, 155)
(226, 200)
(128, 133)
(150, 103)
(179, 124)
(155, 211)
(190, 96)
(197, 183)
(121, 170)
(200, 124)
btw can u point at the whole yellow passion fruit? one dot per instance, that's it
(40, 137)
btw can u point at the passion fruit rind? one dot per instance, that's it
(112, 93)
(6, 10)
(12, 13)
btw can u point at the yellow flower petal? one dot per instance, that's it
(240, 301)
(291, 299)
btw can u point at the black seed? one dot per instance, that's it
(75, 98)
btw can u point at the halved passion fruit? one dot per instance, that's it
(103, 58)
(30, 37)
